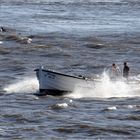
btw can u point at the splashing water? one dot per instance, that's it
(26, 85)
(102, 88)
(106, 88)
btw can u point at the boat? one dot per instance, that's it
(57, 83)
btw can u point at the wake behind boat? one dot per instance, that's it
(56, 83)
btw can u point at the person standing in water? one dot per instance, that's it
(115, 71)
(126, 70)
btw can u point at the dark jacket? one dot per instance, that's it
(125, 71)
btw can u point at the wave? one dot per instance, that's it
(25, 85)
(101, 88)
(65, 1)
(106, 88)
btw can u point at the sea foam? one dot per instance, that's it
(106, 88)
(25, 85)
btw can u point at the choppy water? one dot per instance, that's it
(77, 37)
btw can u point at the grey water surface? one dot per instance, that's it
(79, 37)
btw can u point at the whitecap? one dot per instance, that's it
(112, 108)
(106, 88)
(25, 85)
(59, 106)
(130, 106)
(62, 105)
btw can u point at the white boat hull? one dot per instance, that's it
(54, 83)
